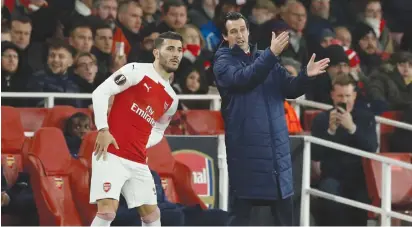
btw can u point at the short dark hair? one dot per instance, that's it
(233, 16)
(59, 43)
(343, 80)
(171, 3)
(102, 25)
(21, 18)
(167, 35)
(81, 24)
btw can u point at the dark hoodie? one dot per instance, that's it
(12, 82)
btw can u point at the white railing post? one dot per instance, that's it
(223, 174)
(386, 200)
(378, 132)
(305, 196)
(216, 104)
(49, 101)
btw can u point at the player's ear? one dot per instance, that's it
(156, 53)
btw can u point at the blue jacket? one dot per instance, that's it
(253, 89)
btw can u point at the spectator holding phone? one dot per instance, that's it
(342, 173)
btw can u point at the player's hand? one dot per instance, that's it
(317, 68)
(103, 140)
(279, 43)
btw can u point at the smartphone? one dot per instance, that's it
(342, 105)
(120, 48)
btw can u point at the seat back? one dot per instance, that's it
(176, 177)
(49, 162)
(401, 180)
(387, 130)
(87, 149)
(308, 117)
(205, 122)
(12, 140)
(56, 117)
(32, 118)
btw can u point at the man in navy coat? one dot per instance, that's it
(253, 86)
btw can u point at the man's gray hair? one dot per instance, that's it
(292, 62)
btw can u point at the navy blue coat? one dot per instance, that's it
(253, 89)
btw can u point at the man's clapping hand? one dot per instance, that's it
(279, 43)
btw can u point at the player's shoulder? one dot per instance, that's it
(135, 66)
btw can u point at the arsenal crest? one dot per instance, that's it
(107, 186)
(59, 182)
(10, 161)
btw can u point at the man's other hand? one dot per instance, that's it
(317, 68)
(103, 140)
(333, 121)
(279, 43)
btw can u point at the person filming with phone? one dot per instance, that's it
(342, 173)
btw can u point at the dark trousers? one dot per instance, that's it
(282, 211)
(338, 214)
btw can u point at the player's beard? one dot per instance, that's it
(164, 63)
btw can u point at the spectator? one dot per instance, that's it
(81, 38)
(18, 200)
(102, 49)
(56, 77)
(202, 13)
(406, 42)
(342, 173)
(365, 43)
(392, 82)
(174, 16)
(5, 33)
(85, 70)
(294, 14)
(372, 15)
(262, 20)
(151, 14)
(106, 10)
(343, 34)
(75, 128)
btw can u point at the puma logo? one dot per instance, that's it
(147, 87)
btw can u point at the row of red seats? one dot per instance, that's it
(385, 130)
(61, 183)
(195, 122)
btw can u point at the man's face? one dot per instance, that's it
(86, 68)
(327, 41)
(373, 10)
(344, 94)
(9, 61)
(344, 36)
(20, 34)
(369, 43)
(169, 55)
(132, 18)
(341, 69)
(107, 11)
(321, 8)
(80, 127)
(237, 33)
(59, 60)
(296, 17)
(191, 36)
(291, 70)
(149, 7)
(176, 17)
(104, 40)
(82, 39)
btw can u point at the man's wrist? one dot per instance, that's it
(104, 129)
(331, 132)
(352, 129)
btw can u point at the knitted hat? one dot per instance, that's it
(336, 54)
(353, 57)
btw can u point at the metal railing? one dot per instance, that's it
(385, 210)
(49, 97)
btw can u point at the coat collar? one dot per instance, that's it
(236, 50)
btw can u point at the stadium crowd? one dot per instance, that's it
(72, 46)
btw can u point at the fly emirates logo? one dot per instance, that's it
(145, 114)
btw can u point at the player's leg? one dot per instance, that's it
(108, 178)
(140, 191)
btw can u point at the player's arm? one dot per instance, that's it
(119, 81)
(159, 130)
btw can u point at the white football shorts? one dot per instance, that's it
(117, 175)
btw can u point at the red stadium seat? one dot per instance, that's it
(49, 163)
(308, 117)
(32, 118)
(387, 130)
(176, 177)
(87, 148)
(204, 122)
(12, 140)
(57, 116)
(401, 181)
